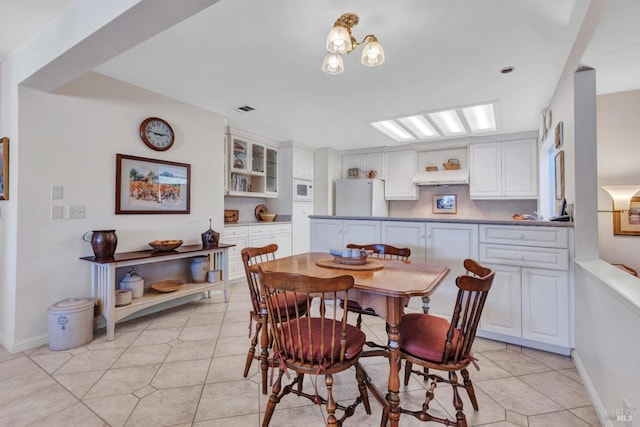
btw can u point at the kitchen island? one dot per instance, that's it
(531, 302)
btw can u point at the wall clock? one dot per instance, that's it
(156, 133)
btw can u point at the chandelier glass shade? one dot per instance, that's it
(340, 40)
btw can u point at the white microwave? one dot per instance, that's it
(302, 190)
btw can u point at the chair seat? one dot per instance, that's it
(423, 336)
(288, 301)
(355, 339)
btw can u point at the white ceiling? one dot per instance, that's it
(440, 54)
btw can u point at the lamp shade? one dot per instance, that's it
(333, 64)
(373, 53)
(621, 195)
(339, 39)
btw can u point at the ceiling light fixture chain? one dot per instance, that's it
(340, 40)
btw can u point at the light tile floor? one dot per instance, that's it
(183, 367)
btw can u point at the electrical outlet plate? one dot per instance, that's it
(76, 212)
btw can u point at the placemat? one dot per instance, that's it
(370, 265)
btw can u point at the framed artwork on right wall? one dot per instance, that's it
(559, 175)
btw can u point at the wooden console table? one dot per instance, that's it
(153, 267)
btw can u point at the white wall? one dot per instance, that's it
(70, 138)
(618, 154)
(607, 342)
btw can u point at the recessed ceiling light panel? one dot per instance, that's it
(448, 122)
(481, 118)
(394, 130)
(419, 125)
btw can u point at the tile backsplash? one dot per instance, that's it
(466, 208)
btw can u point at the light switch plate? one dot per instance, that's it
(57, 212)
(57, 192)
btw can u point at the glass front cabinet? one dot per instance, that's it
(253, 166)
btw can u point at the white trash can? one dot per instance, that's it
(70, 323)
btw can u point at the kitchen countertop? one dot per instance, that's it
(252, 223)
(452, 220)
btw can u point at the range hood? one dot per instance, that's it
(442, 177)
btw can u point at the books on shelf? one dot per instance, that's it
(240, 183)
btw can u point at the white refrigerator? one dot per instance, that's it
(360, 197)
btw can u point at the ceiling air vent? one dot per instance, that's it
(245, 109)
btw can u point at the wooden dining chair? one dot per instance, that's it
(250, 257)
(434, 343)
(321, 343)
(380, 251)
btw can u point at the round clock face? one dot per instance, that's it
(157, 134)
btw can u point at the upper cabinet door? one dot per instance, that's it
(374, 162)
(485, 177)
(519, 168)
(503, 170)
(400, 166)
(364, 163)
(239, 152)
(302, 166)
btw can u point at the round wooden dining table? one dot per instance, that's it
(386, 290)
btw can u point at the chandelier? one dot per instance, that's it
(340, 40)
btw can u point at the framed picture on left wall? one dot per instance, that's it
(148, 186)
(4, 168)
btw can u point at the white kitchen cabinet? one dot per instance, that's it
(528, 303)
(406, 234)
(301, 227)
(365, 163)
(266, 234)
(502, 311)
(302, 166)
(545, 306)
(503, 170)
(238, 236)
(257, 235)
(337, 233)
(400, 166)
(252, 166)
(449, 244)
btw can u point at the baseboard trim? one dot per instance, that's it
(27, 344)
(552, 348)
(591, 390)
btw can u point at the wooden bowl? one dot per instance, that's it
(268, 217)
(165, 245)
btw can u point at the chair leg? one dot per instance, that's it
(461, 420)
(273, 400)
(359, 321)
(407, 371)
(265, 344)
(331, 404)
(468, 385)
(252, 350)
(385, 417)
(361, 377)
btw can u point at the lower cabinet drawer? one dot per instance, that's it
(524, 256)
(236, 269)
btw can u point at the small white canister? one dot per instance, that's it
(133, 282)
(199, 268)
(71, 323)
